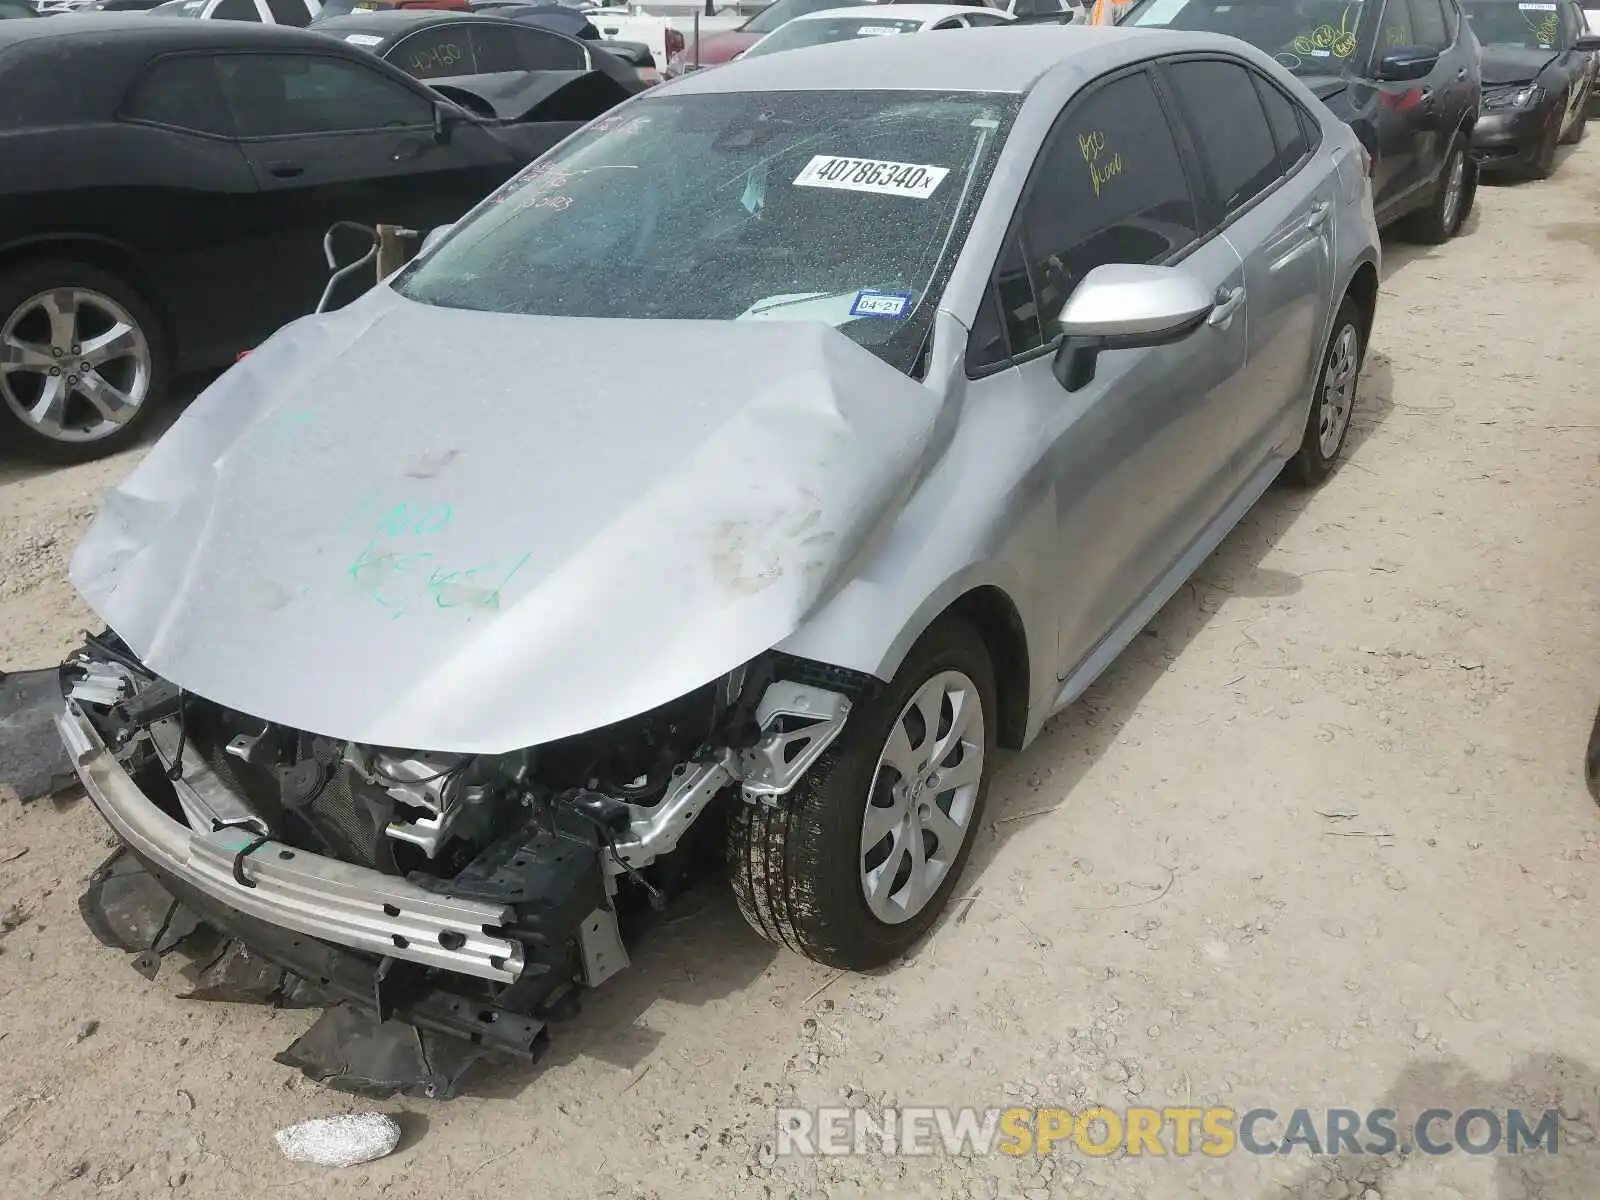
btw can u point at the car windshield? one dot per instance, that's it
(1528, 24)
(15, 8)
(179, 8)
(1310, 37)
(818, 31)
(842, 207)
(783, 11)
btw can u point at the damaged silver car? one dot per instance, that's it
(732, 483)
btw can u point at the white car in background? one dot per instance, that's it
(299, 13)
(864, 21)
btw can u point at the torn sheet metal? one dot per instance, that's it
(33, 762)
(508, 543)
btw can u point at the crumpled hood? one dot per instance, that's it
(1325, 87)
(1510, 64)
(443, 530)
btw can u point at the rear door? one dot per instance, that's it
(1138, 457)
(331, 139)
(1437, 112)
(1275, 208)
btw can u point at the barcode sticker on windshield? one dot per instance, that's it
(871, 175)
(1537, 7)
(876, 30)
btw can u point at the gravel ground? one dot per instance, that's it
(1184, 894)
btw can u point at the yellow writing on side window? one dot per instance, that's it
(1102, 166)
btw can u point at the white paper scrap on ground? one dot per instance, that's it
(343, 1141)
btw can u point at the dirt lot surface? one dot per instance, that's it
(1183, 897)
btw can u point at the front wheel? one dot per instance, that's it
(1544, 158)
(1334, 400)
(854, 866)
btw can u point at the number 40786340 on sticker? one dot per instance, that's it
(916, 180)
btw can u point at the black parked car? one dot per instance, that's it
(166, 189)
(1538, 73)
(1403, 73)
(432, 44)
(571, 21)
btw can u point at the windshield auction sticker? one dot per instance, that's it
(871, 175)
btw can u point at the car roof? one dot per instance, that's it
(891, 12)
(396, 20)
(997, 59)
(131, 28)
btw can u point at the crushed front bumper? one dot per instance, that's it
(1510, 139)
(290, 888)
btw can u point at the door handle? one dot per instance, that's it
(1462, 73)
(1318, 214)
(1227, 303)
(285, 170)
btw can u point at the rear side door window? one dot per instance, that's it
(1427, 22)
(1220, 104)
(290, 12)
(1288, 123)
(524, 48)
(1108, 187)
(437, 53)
(182, 93)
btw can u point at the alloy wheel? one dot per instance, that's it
(924, 792)
(1338, 390)
(1455, 186)
(74, 364)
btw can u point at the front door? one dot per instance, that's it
(330, 140)
(1398, 161)
(1137, 458)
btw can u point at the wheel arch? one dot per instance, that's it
(101, 252)
(1363, 289)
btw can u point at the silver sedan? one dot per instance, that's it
(757, 462)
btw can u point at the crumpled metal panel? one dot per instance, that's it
(463, 531)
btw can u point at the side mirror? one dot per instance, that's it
(1123, 307)
(445, 118)
(1589, 42)
(1408, 62)
(435, 236)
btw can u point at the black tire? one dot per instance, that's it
(1591, 761)
(1431, 225)
(797, 866)
(1310, 466)
(1580, 123)
(20, 283)
(1544, 160)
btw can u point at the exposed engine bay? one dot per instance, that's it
(441, 907)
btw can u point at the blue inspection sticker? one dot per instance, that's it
(880, 304)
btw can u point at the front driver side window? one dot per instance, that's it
(1395, 32)
(1108, 187)
(236, 10)
(278, 95)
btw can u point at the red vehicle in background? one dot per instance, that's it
(717, 48)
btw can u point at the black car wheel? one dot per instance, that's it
(1580, 121)
(1334, 399)
(856, 863)
(1452, 197)
(83, 361)
(1544, 159)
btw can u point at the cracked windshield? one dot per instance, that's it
(1313, 37)
(1529, 25)
(825, 206)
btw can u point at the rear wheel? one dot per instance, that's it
(1452, 197)
(1334, 400)
(856, 864)
(83, 361)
